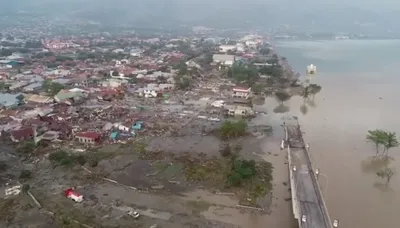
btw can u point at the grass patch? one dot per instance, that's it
(198, 206)
(233, 129)
(62, 158)
(65, 159)
(207, 170)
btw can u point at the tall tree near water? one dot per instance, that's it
(384, 139)
(391, 141)
(282, 96)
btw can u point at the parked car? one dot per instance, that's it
(72, 194)
(134, 214)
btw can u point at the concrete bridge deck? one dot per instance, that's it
(306, 193)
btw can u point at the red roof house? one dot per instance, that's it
(90, 137)
(22, 134)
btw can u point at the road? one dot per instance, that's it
(306, 191)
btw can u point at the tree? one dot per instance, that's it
(21, 99)
(386, 173)
(182, 82)
(376, 137)
(390, 141)
(5, 52)
(282, 96)
(265, 51)
(257, 88)
(275, 71)
(4, 86)
(52, 87)
(306, 94)
(182, 68)
(243, 73)
(33, 44)
(231, 129)
(241, 169)
(314, 89)
(383, 138)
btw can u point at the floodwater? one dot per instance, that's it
(359, 82)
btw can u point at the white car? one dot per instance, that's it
(134, 214)
(294, 168)
(303, 218)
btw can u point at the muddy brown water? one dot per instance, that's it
(335, 125)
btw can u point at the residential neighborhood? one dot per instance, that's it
(109, 116)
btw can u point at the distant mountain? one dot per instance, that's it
(292, 15)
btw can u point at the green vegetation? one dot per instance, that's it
(62, 58)
(382, 139)
(257, 88)
(241, 170)
(232, 129)
(275, 71)
(198, 206)
(282, 96)
(206, 170)
(62, 158)
(182, 68)
(386, 173)
(312, 90)
(27, 147)
(52, 87)
(182, 82)
(243, 73)
(5, 52)
(4, 86)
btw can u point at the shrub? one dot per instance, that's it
(62, 158)
(25, 174)
(231, 129)
(225, 150)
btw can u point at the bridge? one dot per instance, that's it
(309, 206)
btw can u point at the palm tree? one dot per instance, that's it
(377, 137)
(390, 142)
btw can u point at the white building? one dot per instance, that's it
(238, 110)
(241, 92)
(151, 90)
(225, 60)
(226, 48)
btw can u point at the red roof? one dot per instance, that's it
(23, 133)
(70, 191)
(88, 134)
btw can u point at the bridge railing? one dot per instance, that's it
(295, 203)
(315, 181)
